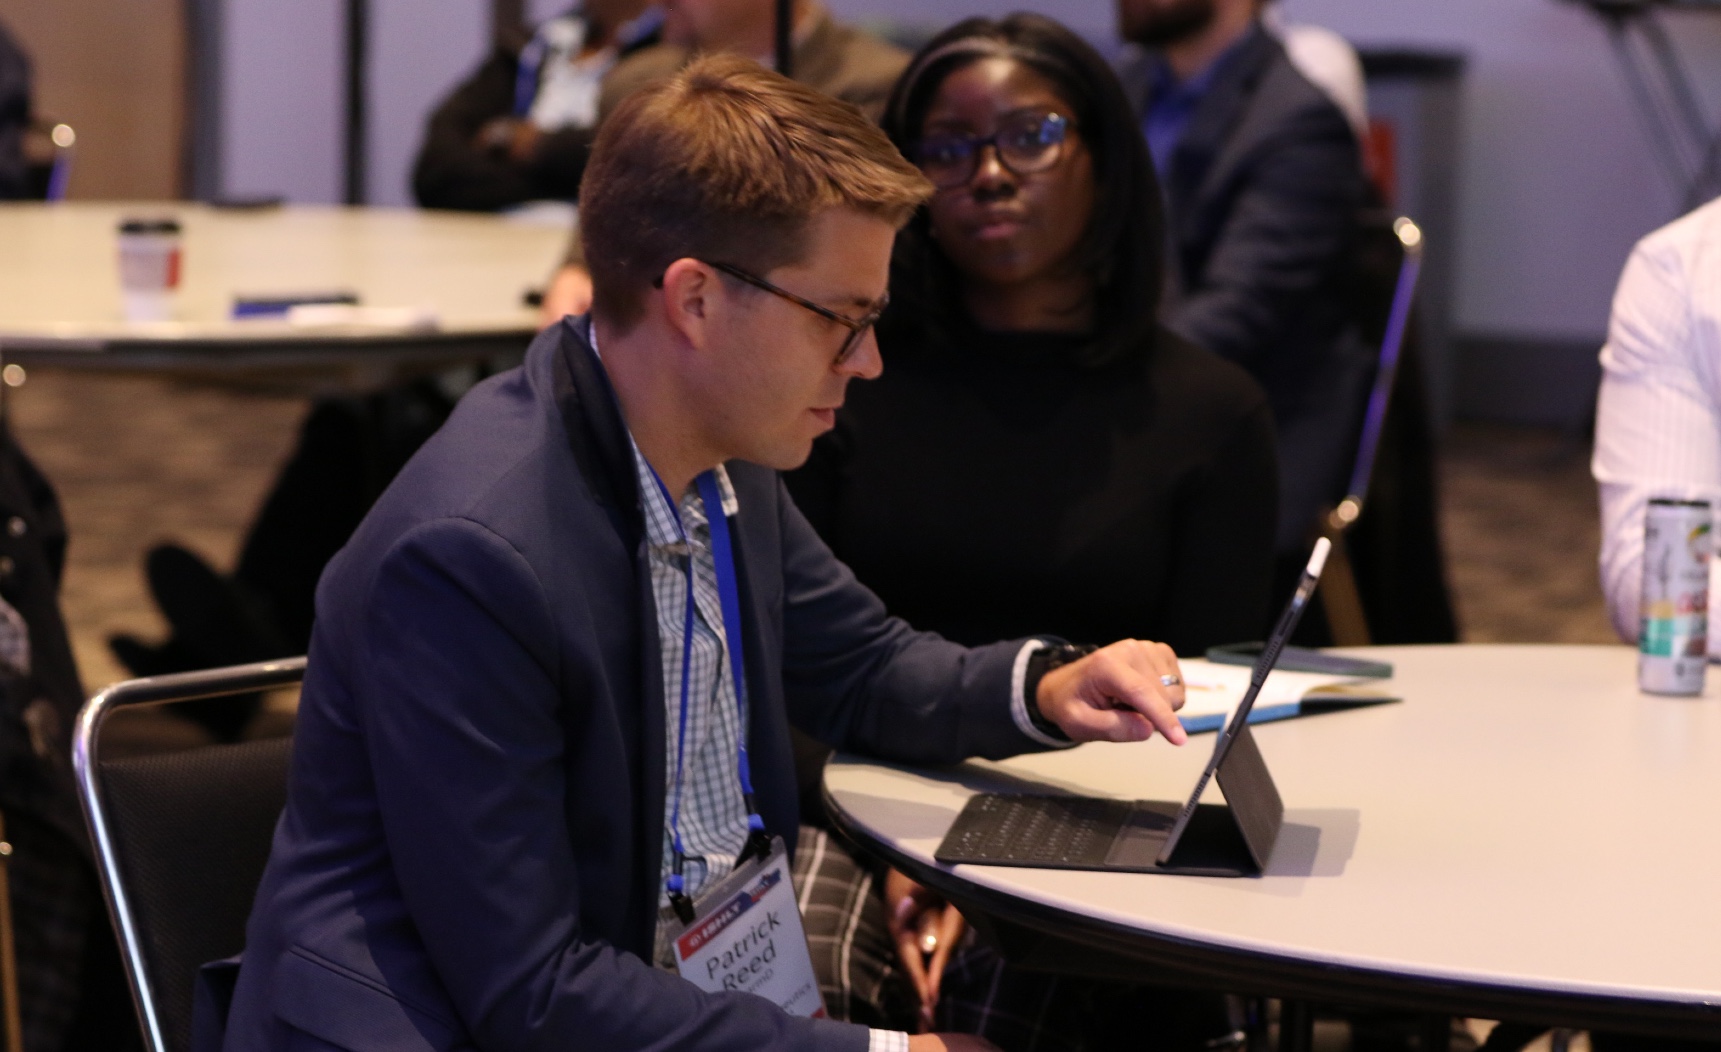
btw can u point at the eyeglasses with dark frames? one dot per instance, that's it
(1027, 142)
(857, 326)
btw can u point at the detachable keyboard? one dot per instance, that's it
(1052, 831)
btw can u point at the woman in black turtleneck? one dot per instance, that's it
(1040, 455)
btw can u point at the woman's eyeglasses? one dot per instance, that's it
(857, 327)
(1026, 143)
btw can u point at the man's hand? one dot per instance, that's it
(1116, 694)
(925, 928)
(523, 143)
(570, 292)
(949, 1043)
(512, 137)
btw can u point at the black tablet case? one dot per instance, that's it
(1233, 839)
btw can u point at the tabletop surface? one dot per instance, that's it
(1524, 818)
(59, 279)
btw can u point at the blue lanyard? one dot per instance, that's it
(526, 74)
(729, 598)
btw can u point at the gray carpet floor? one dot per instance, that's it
(138, 461)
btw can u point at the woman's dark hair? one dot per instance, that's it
(1123, 247)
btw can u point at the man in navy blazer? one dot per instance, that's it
(472, 853)
(1264, 182)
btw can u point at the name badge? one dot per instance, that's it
(746, 935)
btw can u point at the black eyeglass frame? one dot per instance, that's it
(977, 143)
(857, 326)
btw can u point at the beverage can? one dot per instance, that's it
(149, 259)
(1672, 645)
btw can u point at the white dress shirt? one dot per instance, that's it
(1658, 420)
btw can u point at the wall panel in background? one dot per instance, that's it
(282, 107)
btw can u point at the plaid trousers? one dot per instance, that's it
(843, 909)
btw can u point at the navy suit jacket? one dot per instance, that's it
(1263, 192)
(470, 852)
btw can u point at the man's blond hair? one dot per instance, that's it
(727, 161)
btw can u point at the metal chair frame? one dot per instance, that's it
(1339, 595)
(62, 140)
(157, 690)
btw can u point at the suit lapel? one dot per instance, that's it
(598, 439)
(597, 434)
(1194, 177)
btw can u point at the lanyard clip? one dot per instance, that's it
(758, 846)
(758, 841)
(678, 900)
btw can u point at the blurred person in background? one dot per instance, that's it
(1040, 453)
(837, 59)
(1328, 61)
(1264, 182)
(1658, 418)
(520, 128)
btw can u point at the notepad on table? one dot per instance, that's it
(1212, 691)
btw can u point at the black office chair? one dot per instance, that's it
(181, 839)
(1390, 261)
(1388, 581)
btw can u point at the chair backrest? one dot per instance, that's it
(181, 839)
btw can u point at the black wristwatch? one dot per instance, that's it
(1040, 662)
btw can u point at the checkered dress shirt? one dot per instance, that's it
(713, 817)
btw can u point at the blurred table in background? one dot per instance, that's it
(464, 276)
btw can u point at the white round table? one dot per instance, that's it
(463, 275)
(1525, 836)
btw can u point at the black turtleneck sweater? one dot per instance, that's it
(999, 490)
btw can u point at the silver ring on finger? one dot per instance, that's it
(1171, 681)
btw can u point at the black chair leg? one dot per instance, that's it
(1511, 1037)
(1436, 1033)
(1257, 1027)
(1296, 1026)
